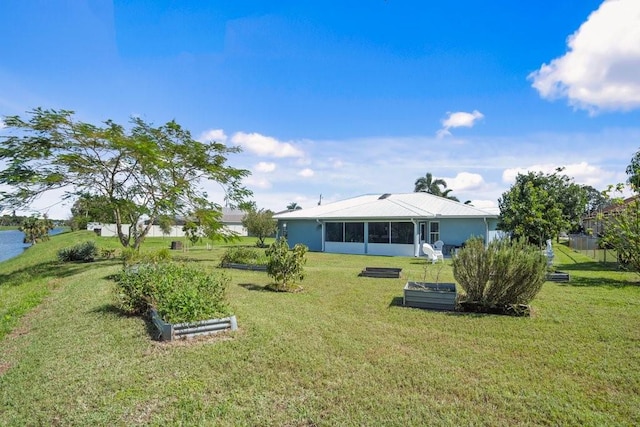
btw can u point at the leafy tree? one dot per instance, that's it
(165, 223)
(538, 206)
(143, 173)
(427, 184)
(293, 206)
(284, 265)
(596, 200)
(633, 170)
(260, 223)
(89, 208)
(36, 229)
(622, 232)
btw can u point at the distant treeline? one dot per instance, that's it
(17, 221)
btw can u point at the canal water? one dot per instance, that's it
(11, 244)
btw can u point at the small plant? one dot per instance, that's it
(107, 253)
(131, 256)
(243, 255)
(84, 252)
(286, 266)
(179, 293)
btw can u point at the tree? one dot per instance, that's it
(260, 223)
(293, 206)
(88, 208)
(284, 265)
(143, 173)
(165, 223)
(633, 170)
(36, 229)
(622, 232)
(538, 206)
(427, 184)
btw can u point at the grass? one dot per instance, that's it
(343, 352)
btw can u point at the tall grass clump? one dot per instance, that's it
(83, 252)
(504, 273)
(180, 293)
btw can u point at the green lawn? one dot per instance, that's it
(343, 352)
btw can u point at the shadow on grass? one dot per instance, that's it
(598, 281)
(396, 302)
(49, 269)
(112, 310)
(254, 287)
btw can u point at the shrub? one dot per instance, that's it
(179, 293)
(243, 255)
(85, 252)
(284, 265)
(506, 272)
(131, 256)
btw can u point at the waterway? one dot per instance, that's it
(12, 245)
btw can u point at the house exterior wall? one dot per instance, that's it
(453, 231)
(307, 232)
(110, 230)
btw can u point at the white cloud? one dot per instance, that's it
(216, 135)
(2, 125)
(600, 69)
(583, 173)
(458, 119)
(465, 181)
(257, 182)
(265, 167)
(265, 145)
(306, 173)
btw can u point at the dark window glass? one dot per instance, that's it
(402, 232)
(354, 232)
(378, 232)
(333, 231)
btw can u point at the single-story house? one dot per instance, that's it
(386, 224)
(231, 219)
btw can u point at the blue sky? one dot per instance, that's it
(343, 98)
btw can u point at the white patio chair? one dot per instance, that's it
(430, 252)
(437, 247)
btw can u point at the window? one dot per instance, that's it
(344, 232)
(354, 232)
(334, 231)
(378, 232)
(434, 232)
(402, 232)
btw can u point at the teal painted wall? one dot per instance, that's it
(307, 232)
(455, 231)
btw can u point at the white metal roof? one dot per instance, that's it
(393, 206)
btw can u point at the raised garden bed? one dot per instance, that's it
(170, 332)
(558, 276)
(384, 272)
(432, 296)
(252, 267)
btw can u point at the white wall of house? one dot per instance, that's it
(110, 230)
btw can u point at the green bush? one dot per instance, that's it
(85, 252)
(243, 255)
(506, 272)
(180, 293)
(284, 265)
(131, 256)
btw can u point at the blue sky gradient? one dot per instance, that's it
(343, 98)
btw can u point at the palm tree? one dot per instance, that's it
(293, 206)
(427, 184)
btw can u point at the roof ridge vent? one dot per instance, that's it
(384, 196)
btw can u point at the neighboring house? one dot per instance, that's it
(387, 224)
(594, 224)
(231, 218)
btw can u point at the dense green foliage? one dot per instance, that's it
(622, 233)
(260, 224)
(136, 175)
(284, 265)
(179, 292)
(243, 255)
(506, 272)
(36, 229)
(130, 256)
(83, 252)
(539, 206)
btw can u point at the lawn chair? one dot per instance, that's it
(430, 252)
(437, 247)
